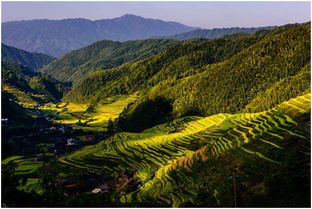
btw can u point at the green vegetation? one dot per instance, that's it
(30, 87)
(178, 162)
(176, 62)
(162, 123)
(102, 55)
(285, 89)
(190, 76)
(25, 166)
(88, 118)
(32, 61)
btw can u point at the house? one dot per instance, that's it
(96, 190)
(71, 142)
(102, 189)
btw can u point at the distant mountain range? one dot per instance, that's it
(32, 61)
(57, 37)
(216, 32)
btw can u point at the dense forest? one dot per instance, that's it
(33, 61)
(102, 55)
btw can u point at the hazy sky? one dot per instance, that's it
(200, 14)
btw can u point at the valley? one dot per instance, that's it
(219, 121)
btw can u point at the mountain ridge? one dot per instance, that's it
(105, 54)
(55, 37)
(218, 32)
(33, 61)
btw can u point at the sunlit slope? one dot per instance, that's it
(24, 99)
(86, 117)
(179, 162)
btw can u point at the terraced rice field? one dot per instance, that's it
(79, 116)
(25, 100)
(32, 185)
(25, 165)
(169, 159)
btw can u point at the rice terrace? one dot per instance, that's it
(133, 111)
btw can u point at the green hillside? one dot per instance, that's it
(30, 87)
(77, 64)
(190, 161)
(189, 77)
(178, 61)
(33, 61)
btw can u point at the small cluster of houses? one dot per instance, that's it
(54, 128)
(124, 183)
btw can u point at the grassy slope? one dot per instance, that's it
(169, 159)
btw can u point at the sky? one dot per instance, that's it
(198, 14)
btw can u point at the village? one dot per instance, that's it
(56, 139)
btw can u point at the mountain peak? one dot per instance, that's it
(129, 16)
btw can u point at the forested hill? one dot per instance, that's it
(216, 32)
(57, 37)
(102, 55)
(30, 87)
(206, 77)
(33, 61)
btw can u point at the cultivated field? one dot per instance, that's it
(172, 161)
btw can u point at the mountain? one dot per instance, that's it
(189, 78)
(56, 37)
(77, 64)
(30, 87)
(216, 32)
(33, 61)
(175, 59)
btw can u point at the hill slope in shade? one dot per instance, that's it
(33, 61)
(56, 37)
(30, 87)
(77, 64)
(190, 161)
